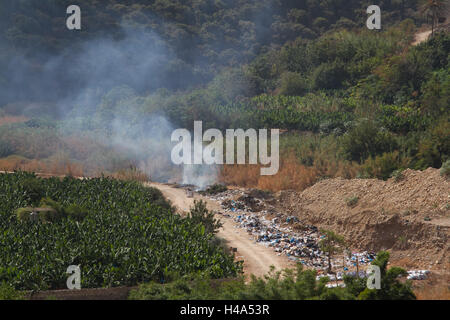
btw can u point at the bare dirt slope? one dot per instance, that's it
(421, 37)
(257, 258)
(409, 217)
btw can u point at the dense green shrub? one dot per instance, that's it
(6, 148)
(352, 201)
(7, 292)
(277, 285)
(398, 175)
(434, 147)
(200, 215)
(215, 189)
(383, 166)
(402, 119)
(391, 287)
(436, 93)
(155, 196)
(49, 203)
(33, 188)
(308, 113)
(404, 75)
(445, 170)
(292, 84)
(76, 212)
(366, 140)
(329, 76)
(23, 214)
(51, 211)
(44, 215)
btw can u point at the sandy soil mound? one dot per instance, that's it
(409, 216)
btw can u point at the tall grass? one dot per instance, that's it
(51, 166)
(12, 119)
(291, 175)
(131, 174)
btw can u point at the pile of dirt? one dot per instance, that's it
(408, 215)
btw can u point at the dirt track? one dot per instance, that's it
(257, 258)
(421, 37)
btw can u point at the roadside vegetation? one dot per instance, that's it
(296, 284)
(7, 292)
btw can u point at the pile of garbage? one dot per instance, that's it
(233, 205)
(418, 274)
(253, 212)
(274, 230)
(361, 258)
(335, 285)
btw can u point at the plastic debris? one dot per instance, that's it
(418, 274)
(274, 229)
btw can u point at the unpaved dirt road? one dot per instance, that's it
(257, 258)
(421, 37)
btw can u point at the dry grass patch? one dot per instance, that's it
(131, 174)
(291, 175)
(12, 119)
(51, 166)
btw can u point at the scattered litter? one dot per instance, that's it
(418, 274)
(276, 230)
(335, 285)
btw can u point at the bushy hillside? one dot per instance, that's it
(189, 40)
(354, 102)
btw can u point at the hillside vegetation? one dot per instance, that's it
(355, 102)
(103, 101)
(189, 40)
